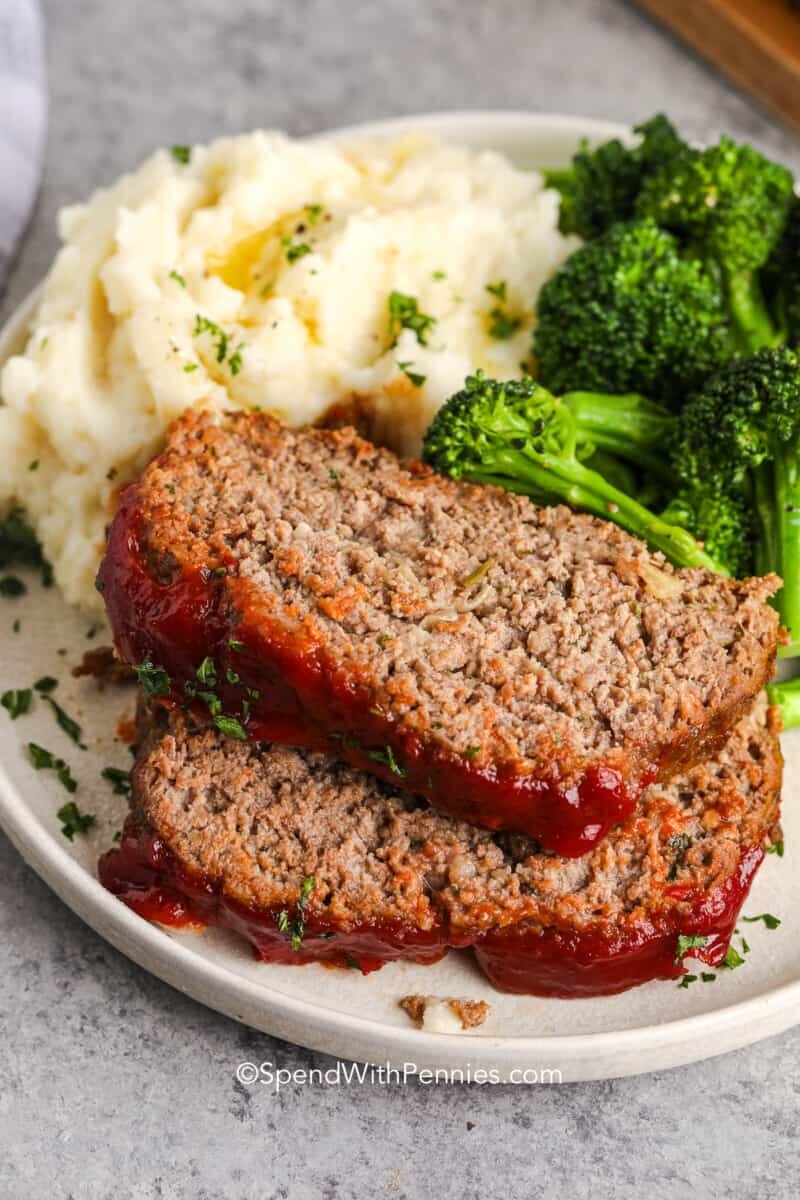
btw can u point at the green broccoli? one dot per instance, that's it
(740, 438)
(520, 437)
(781, 278)
(728, 204)
(787, 697)
(721, 521)
(627, 313)
(602, 185)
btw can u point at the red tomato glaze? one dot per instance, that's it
(285, 690)
(566, 963)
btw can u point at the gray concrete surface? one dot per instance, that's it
(112, 1084)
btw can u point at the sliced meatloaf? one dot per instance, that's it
(523, 668)
(314, 861)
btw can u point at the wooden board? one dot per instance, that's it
(755, 42)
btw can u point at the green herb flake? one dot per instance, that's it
(231, 676)
(46, 684)
(117, 838)
(179, 279)
(235, 644)
(502, 326)
(412, 376)
(708, 976)
(33, 465)
(231, 727)
(154, 680)
(73, 820)
(189, 367)
(16, 626)
(181, 154)
(497, 289)
(314, 212)
(687, 980)
(16, 701)
(732, 959)
(776, 848)
(472, 751)
(297, 928)
(71, 727)
(388, 759)
(207, 672)
(768, 919)
(295, 250)
(19, 547)
(351, 963)
(217, 334)
(43, 760)
(120, 780)
(478, 574)
(438, 275)
(686, 942)
(404, 314)
(235, 360)
(12, 585)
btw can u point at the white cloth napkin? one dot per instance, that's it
(23, 118)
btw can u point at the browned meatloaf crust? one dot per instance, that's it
(523, 668)
(224, 832)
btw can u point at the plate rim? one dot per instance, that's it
(603, 1055)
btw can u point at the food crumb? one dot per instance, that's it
(435, 1014)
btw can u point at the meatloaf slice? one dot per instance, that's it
(523, 668)
(313, 861)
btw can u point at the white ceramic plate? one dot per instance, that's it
(655, 1026)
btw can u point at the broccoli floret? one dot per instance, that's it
(729, 205)
(740, 436)
(721, 521)
(627, 313)
(601, 186)
(518, 436)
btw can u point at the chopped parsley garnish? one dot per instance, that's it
(502, 326)
(686, 942)
(70, 727)
(117, 836)
(295, 250)
(46, 684)
(73, 820)
(235, 360)
(12, 585)
(732, 959)
(92, 632)
(471, 751)
(16, 626)
(687, 979)
(207, 672)
(708, 976)
(231, 676)
(351, 963)
(497, 289)
(182, 154)
(154, 680)
(176, 275)
(404, 314)
(314, 212)
(297, 928)
(43, 760)
(216, 333)
(387, 757)
(16, 701)
(768, 919)
(412, 376)
(120, 780)
(231, 727)
(438, 275)
(189, 367)
(334, 475)
(99, 585)
(776, 848)
(19, 547)
(33, 465)
(235, 644)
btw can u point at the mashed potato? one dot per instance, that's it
(262, 272)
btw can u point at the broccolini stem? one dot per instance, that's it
(583, 488)
(755, 328)
(787, 696)
(786, 468)
(630, 426)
